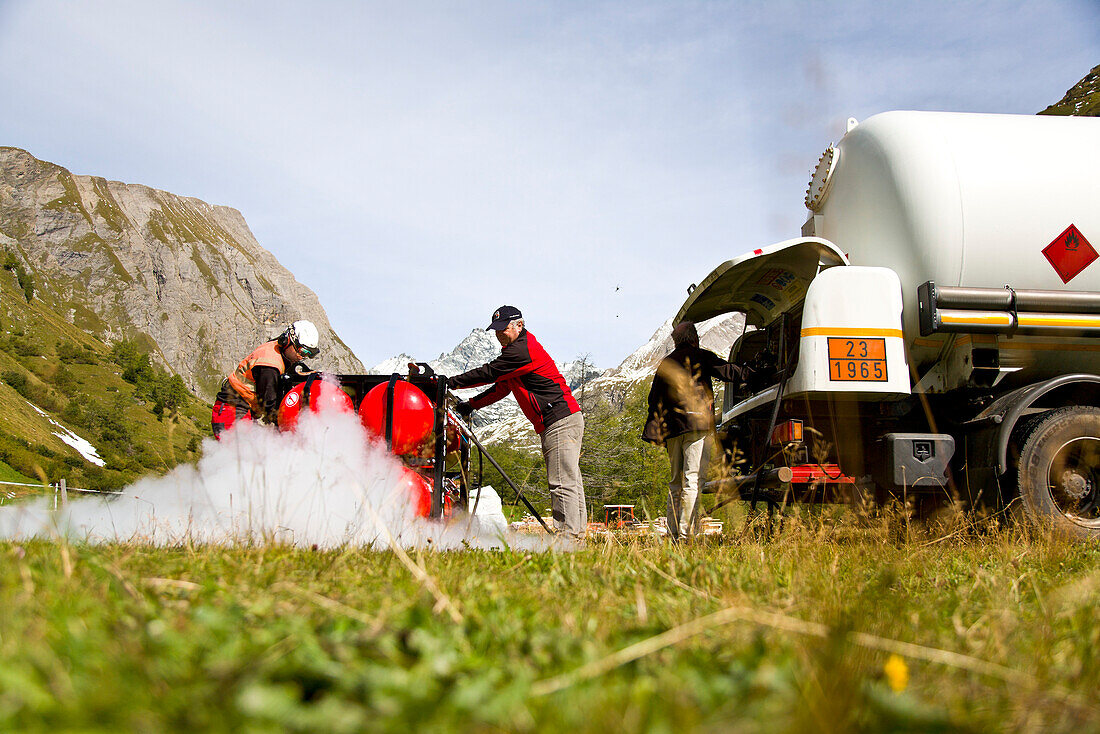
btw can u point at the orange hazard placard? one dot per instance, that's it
(857, 359)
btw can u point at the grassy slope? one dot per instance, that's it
(29, 337)
(1083, 98)
(270, 637)
(8, 474)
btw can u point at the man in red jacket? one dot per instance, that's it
(527, 371)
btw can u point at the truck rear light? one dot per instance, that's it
(787, 432)
(818, 474)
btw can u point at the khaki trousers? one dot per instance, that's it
(561, 448)
(687, 458)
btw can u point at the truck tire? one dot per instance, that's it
(1059, 472)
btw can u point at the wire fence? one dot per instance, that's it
(60, 491)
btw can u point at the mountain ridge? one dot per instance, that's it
(186, 278)
(504, 422)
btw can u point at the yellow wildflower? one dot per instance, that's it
(897, 673)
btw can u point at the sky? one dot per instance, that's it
(418, 165)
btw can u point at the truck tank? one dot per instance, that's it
(962, 200)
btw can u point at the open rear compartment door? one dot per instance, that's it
(762, 284)
(769, 286)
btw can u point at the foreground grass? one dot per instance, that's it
(816, 628)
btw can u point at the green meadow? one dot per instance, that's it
(815, 624)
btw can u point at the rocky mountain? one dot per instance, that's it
(477, 348)
(717, 335)
(503, 418)
(1082, 99)
(185, 278)
(503, 421)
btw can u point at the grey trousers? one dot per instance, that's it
(561, 448)
(687, 457)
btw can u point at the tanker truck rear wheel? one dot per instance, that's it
(1059, 472)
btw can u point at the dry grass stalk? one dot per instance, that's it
(442, 601)
(126, 585)
(640, 604)
(670, 578)
(66, 559)
(332, 605)
(776, 621)
(161, 583)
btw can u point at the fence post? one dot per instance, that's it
(64, 493)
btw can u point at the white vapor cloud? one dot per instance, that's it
(325, 484)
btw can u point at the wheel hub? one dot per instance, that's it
(1075, 485)
(1073, 478)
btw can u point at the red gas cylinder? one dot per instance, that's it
(413, 412)
(419, 491)
(323, 396)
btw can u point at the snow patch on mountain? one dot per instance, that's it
(81, 445)
(503, 422)
(717, 335)
(398, 364)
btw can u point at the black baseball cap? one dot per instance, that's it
(502, 317)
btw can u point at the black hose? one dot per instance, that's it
(519, 494)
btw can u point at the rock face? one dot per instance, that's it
(186, 278)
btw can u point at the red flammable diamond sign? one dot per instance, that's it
(1070, 253)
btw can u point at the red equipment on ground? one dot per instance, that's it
(323, 396)
(419, 489)
(414, 415)
(433, 485)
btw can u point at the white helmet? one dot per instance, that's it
(304, 335)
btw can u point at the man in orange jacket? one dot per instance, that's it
(251, 392)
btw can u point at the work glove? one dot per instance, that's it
(464, 409)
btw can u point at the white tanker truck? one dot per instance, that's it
(935, 332)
